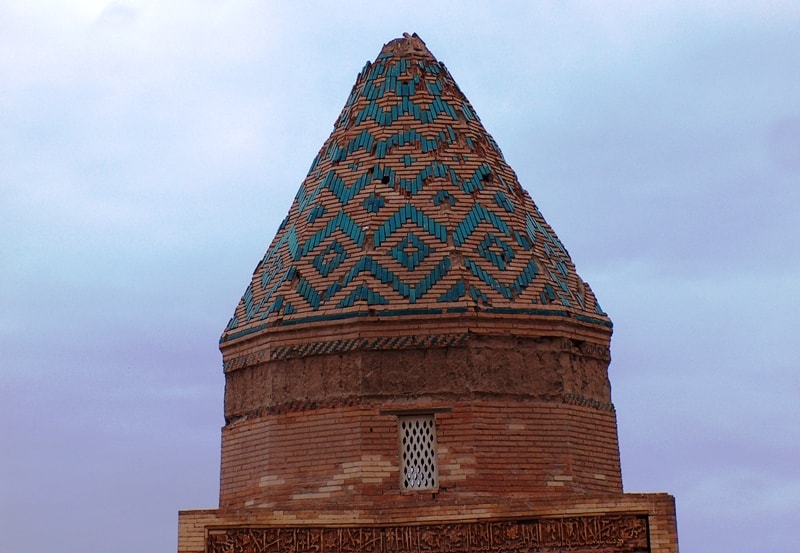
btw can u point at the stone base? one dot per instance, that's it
(624, 523)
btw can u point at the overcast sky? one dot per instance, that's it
(149, 150)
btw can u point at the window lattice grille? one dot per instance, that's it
(418, 452)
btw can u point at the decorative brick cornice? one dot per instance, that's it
(381, 343)
(396, 331)
(580, 401)
(298, 406)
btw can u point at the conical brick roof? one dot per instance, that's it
(410, 214)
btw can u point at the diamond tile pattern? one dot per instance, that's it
(410, 208)
(411, 251)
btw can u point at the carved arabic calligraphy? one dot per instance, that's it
(620, 534)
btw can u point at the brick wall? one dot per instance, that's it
(349, 454)
(488, 365)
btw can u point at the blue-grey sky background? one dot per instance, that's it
(149, 150)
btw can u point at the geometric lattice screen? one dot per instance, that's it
(418, 452)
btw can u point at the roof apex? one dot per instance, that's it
(408, 44)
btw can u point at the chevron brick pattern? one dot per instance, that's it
(410, 205)
(382, 343)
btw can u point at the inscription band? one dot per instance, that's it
(611, 533)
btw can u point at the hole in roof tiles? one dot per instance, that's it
(488, 177)
(385, 179)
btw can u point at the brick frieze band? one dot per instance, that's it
(618, 534)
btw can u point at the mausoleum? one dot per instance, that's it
(415, 365)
